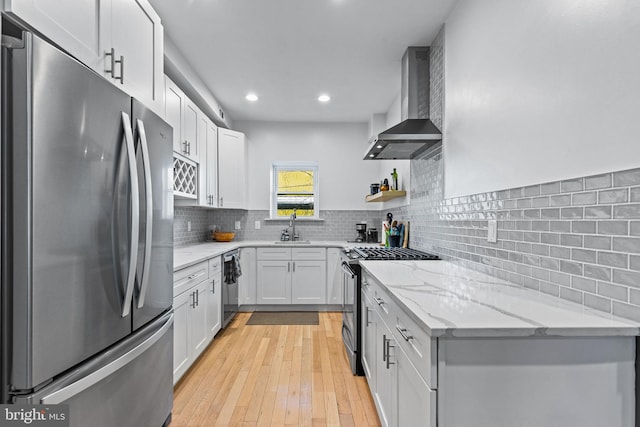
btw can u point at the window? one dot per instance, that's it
(294, 185)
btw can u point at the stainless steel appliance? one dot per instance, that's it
(231, 272)
(351, 288)
(416, 134)
(361, 228)
(87, 247)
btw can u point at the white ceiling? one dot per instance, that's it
(290, 51)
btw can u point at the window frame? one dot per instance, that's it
(292, 166)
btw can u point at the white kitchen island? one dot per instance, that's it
(447, 346)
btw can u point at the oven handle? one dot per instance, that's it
(347, 269)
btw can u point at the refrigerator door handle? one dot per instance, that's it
(143, 279)
(79, 386)
(135, 215)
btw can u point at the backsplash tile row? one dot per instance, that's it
(336, 225)
(577, 239)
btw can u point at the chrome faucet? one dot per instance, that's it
(292, 224)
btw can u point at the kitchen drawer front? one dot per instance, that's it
(382, 301)
(189, 277)
(309, 254)
(420, 348)
(366, 286)
(274, 254)
(215, 266)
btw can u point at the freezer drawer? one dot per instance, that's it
(99, 393)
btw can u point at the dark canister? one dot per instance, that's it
(375, 188)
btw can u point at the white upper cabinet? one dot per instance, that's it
(184, 116)
(137, 40)
(212, 164)
(232, 169)
(190, 134)
(173, 106)
(119, 39)
(82, 28)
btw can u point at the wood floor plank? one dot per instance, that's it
(274, 375)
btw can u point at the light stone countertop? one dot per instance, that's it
(447, 299)
(186, 256)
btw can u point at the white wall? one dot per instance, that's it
(539, 91)
(337, 147)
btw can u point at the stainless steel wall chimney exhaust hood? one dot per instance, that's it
(415, 134)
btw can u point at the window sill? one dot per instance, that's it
(298, 219)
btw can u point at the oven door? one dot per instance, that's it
(349, 314)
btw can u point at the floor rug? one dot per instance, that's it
(284, 318)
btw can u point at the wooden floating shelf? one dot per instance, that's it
(383, 196)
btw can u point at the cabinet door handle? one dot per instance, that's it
(213, 286)
(197, 298)
(384, 349)
(388, 345)
(221, 201)
(184, 150)
(112, 61)
(121, 62)
(193, 300)
(403, 332)
(294, 266)
(288, 267)
(366, 316)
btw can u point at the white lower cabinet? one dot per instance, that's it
(291, 276)
(401, 395)
(368, 339)
(334, 276)
(308, 282)
(181, 339)
(274, 282)
(386, 373)
(198, 317)
(197, 312)
(247, 282)
(214, 298)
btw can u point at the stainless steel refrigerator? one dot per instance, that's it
(87, 242)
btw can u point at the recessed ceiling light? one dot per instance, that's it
(372, 155)
(324, 98)
(251, 97)
(378, 146)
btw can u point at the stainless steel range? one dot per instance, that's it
(351, 324)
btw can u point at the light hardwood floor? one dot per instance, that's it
(274, 376)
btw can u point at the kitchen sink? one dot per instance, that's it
(295, 242)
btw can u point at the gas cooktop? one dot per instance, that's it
(381, 253)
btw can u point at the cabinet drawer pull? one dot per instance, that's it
(384, 349)
(194, 276)
(403, 332)
(389, 346)
(379, 301)
(366, 316)
(121, 62)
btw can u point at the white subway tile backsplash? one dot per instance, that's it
(626, 178)
(598, 181)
